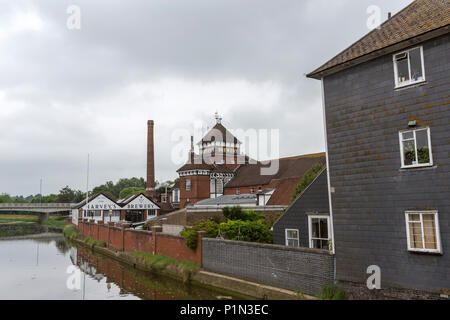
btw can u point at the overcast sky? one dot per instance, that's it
(66, 93)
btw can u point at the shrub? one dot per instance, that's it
(332, 293)
(70, 232)
(308, 177)
(54, 223)
(92, 242)
(251, 231)
(190, 234)
(160, 261)
(236, 213)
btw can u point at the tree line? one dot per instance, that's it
(124, 188)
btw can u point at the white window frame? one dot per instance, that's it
(286, 237)
(310, 218)
(410, 82)
(188, 185)
(438, 233)
(176, 196)
(402, 154)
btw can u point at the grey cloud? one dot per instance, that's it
(62, 79)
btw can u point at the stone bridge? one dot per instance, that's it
(44, 208)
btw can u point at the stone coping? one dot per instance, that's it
(271, 246)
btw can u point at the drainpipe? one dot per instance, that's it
(333, 247)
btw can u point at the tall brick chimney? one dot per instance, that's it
(150, 190)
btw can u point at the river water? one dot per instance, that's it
(45, 266)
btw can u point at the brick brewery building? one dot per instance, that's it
(220, 170)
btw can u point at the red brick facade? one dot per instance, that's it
(199, 190)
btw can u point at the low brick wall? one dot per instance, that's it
(298, 269)
(154, 242)
(175, 246)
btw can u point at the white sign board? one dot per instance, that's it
(101, 203)
(141, 203)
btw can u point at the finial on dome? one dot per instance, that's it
(218, 118)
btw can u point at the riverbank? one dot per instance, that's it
(17, 229)
(191, 273)
(6, 218)
(58, 222)
(46, 235)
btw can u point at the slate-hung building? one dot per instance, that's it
(387, 118)
(306, 222)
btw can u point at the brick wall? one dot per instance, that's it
(103, 232)
(154, 241)
(175, 247)
(199, 190)
(299, 269)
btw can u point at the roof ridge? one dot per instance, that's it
(303, 156)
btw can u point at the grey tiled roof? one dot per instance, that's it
(242, 199)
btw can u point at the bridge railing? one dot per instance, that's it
(37, 205)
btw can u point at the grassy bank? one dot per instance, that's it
(160, 261)
(55, 222)
(4, 218)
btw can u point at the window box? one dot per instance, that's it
(409, 67)
(415, 148)
(292, 239)
(422, 230)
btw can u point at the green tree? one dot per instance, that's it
(115, 189)
(51, 198)
(308, 177)
(66, 195)
(125, 193)
(5, 198)
(236, 213)
(79, 196)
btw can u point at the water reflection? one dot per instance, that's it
(131, 281)
(38, 269)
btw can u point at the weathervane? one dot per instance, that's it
(218, 118)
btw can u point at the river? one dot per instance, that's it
(45, 266)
